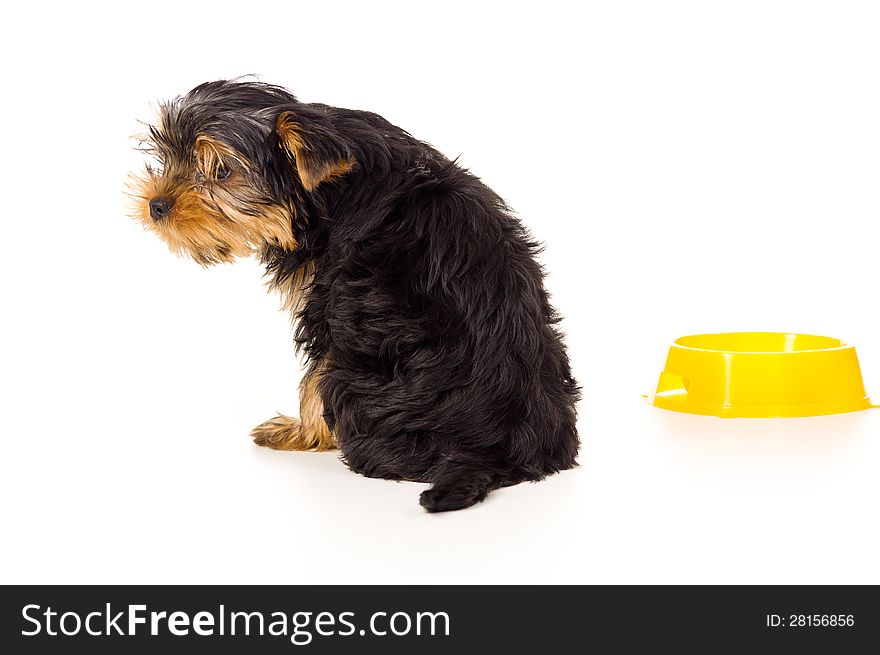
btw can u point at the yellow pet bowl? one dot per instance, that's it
(761, 375)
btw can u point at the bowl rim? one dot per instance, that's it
(843, 344)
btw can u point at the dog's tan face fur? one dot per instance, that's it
(218, 210)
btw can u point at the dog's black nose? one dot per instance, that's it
(160, 208)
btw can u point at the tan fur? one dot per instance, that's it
(311, 410)
(294, 290)
(213, 221)
(310, 174)
(309, 432)
(328, 172)
(211, 154)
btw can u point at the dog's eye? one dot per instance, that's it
(222, 173)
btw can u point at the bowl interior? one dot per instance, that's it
(759, 342)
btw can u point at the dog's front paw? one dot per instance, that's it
(287, 433)
(280, 433)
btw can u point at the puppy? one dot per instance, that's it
(430, 342)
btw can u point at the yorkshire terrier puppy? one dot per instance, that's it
(431, 348)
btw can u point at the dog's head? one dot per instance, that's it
(232, 162)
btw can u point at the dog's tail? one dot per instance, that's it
(461, 482)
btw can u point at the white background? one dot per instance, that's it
(691, 167)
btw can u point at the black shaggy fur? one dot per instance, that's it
(426, 309)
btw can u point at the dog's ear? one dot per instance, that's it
(314, 148)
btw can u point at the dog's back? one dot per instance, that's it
(427, 307)
(432, 349)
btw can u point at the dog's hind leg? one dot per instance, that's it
(309, 432)
(460, 484)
